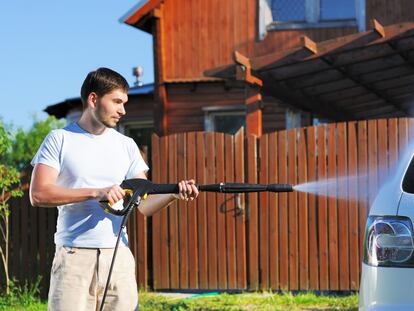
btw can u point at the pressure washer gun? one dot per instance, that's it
(137, 188)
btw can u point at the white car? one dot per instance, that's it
(387, 281)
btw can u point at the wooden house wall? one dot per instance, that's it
(139, 108)
(186, 101)
(203, 34)
(273, 115)
(389, 12)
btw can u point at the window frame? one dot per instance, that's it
(313, 19)
(211, 112)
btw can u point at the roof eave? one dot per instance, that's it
(138, 15)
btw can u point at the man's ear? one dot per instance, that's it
(92, 99)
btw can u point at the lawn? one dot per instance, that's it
(215, 301)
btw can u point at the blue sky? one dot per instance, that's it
(47, 47)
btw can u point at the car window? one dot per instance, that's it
(408, 181)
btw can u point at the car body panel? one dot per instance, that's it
(385, 288)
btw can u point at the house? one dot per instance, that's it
(275, 64)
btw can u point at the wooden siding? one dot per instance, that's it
(186, 102)
(202, 34)
(139, 109)
(389, 12)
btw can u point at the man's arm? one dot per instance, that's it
(155, 202)
(45, 192)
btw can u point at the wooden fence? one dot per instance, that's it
(294, 241)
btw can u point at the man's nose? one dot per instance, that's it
(121, 110)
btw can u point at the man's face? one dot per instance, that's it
(110, 108)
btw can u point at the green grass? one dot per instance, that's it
(248, 301)
(22, 297)
(25, 300)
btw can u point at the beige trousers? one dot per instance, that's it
(79, 275)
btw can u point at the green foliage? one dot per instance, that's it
(25, 143)
(9, 176)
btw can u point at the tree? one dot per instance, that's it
(26, 143)
(9, 187)
(16, 152)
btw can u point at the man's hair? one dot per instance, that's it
(102, 81)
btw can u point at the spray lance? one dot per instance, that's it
(137, 189)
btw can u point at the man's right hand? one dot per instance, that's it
(111, 194)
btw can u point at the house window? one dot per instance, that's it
(224, 119)
(337, 10)
(297, 14)
(289, 11)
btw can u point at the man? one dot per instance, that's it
(74, 169)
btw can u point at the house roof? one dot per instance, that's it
(138, 15)
(60, 110)
(359, 76)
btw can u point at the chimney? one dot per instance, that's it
(138, 72)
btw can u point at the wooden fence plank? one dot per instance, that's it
(363, 179)
(410, 129)
(323, 213)
(241, 217)
(372, 160)
(211, 213)
(231, 214)
(293, 212)
(156, 218)
(34, 242)
(273, 215)
(354, 258)
(303, 214)
(165, 263)
(264, 214)
(192, 213)
(253, 220)
(42, 243)
(173, 236)
(313, 221)
(283, 213)
(202, 214)
(343, 215)
(142, 250)
(132, 238)
(332, 210)
(25, 223)
(16, 206)
(221, 216)
(382, 151)
(182, 213)
(51, 228)
(403, 134)
(392, 143)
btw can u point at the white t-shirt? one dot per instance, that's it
(84, 160)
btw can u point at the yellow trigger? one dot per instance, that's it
(145, 196)
(128, 192)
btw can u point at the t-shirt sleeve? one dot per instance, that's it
(137, 162)
(49, 151)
